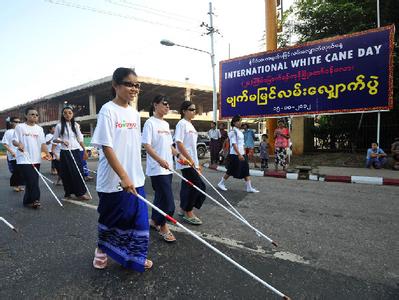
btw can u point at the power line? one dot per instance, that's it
(158, 12)
(115, 14)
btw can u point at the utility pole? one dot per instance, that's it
(211, 31)
(271, 44)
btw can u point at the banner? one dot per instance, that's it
(347, 73)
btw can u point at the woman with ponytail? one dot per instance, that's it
(186, 141)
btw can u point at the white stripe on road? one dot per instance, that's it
(227, 242)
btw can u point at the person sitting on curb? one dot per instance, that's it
(395, 154)
(376, 157)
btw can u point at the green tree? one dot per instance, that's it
(309, 20)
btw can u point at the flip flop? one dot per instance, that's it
(192, 220)
(148, 264)
(168, 236)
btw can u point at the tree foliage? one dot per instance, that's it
(309, 20)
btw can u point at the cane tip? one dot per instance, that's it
(286, 298)
(274, 244)
(15, 229)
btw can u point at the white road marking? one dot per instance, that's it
(269, 253)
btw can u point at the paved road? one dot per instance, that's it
(336, 241)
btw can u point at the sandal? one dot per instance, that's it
(168, 236)
(148, 264)
(83, 198)
(192, 220)
(100, 260)
(35, 204)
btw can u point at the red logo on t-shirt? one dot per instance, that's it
(124, 124)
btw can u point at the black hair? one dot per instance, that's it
(157, 99)
(118, 76)
(28, 109)
(265, 135)
(184, 106)
(396, 139)
(52, 126)
(236, 118)
(63, 122)
(214, 123)
(281, 121)
(10, 120)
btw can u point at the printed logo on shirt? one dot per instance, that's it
(35, 135)
(163, 132)
(125, 124)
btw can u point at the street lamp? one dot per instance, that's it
(212, 55)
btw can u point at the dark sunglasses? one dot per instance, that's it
(131, 84)
(166, 103)
(191, 109)
(16, 122)
(36, 115)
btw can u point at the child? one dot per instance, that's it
(264, 152)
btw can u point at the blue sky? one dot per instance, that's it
(47, 47)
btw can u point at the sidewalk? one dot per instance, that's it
(331, 174)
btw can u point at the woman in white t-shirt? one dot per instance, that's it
(186, 143)
(16, 179)
(68, 134)
(29, 139)
(238, 161)
(157, 141)
(123, 229)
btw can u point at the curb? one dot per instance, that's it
(316, 177)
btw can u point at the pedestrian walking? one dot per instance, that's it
(281, 140)
(49, 142)
(214, 143)
(123, 229)
(56, 149)
(186, 143)
(16, 179)
(68, 134)
(238, 161)
(264, 152)
(30, 141)
(249, 144)
(157, 141)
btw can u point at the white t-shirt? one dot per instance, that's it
(214, 134)
(32, 137)
(7, 139)
(236, 137)
(69, 135)
(186, 133)
(119, 128)
(57, 148)
(49, 138)
(157, 134)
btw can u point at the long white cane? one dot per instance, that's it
(8, 224)
(171, 219)
(224, 207)
(42, 177)
(81, 176)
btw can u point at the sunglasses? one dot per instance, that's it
(166, 103)
(131, 84)
(16, 122)
(192, 109)
(35, 115)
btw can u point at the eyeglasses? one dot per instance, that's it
(34, 115)
(166, 103)
(192, 109)
(16, 122)
(131, 84)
